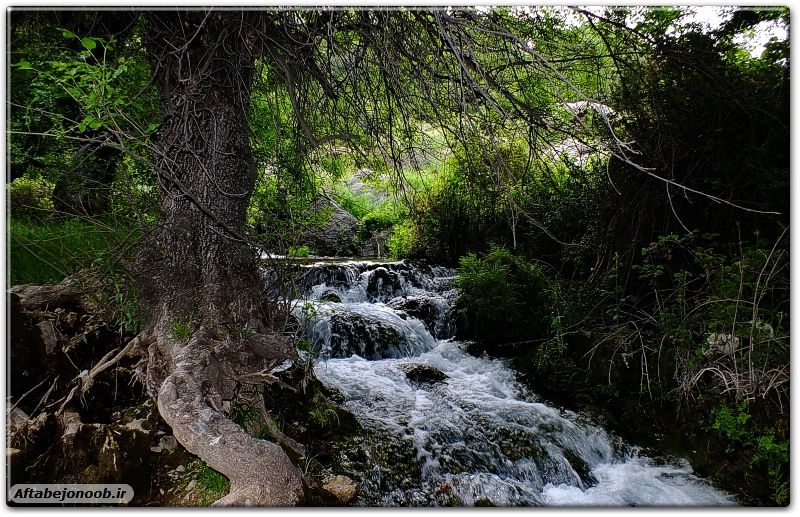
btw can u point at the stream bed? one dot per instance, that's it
(447, 428)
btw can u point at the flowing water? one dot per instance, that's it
(448, 428)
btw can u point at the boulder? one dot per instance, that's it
(342, 488)
(335, 229)
(331, 296)
(383, 284)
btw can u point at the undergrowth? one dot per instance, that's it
(42, 253)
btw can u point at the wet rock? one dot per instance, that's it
(342, 488)
(330, 296)
(355, 333)
(431, 311)
(383, 284)
(423, 373)
(484, 502)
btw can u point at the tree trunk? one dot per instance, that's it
(198, 277)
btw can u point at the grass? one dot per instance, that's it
(210, 484)
(42, 253)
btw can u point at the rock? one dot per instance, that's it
(48, 335)
(422, 373)
(434, 312)
(16, 418)
(384, 284)
(354, 333)
(166, 443)
(342, 488)
(336, 231)
(721, 344)
(271, 346)
(331, 296)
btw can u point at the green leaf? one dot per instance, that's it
(24, 65)
(89, 43)
(68, 34)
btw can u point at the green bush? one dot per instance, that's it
(299, 252)
(401, 243)
(501, 298)
(743, 435)
(721, 303)
(30, 198)
(375, 222)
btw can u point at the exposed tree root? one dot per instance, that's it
(85, 380)
(190, 400)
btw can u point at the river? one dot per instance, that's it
(451, 429)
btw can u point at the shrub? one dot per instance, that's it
(736, 424)
(29, 199)
(501, 298)
(401, 243)
(299, 252)
(375, 222)
(725, 309)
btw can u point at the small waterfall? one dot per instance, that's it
(374, 310)
(451, 429)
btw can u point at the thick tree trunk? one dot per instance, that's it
(199, 278)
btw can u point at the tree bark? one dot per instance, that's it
(198, 276)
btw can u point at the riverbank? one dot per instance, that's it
(742, 448)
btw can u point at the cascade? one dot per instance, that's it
(452, 429)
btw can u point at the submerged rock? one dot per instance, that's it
(374, 333)
(423, 373)
(384, 284)
(330, 295)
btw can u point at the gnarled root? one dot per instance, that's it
(189, 399)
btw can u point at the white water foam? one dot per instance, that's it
(480, 434)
